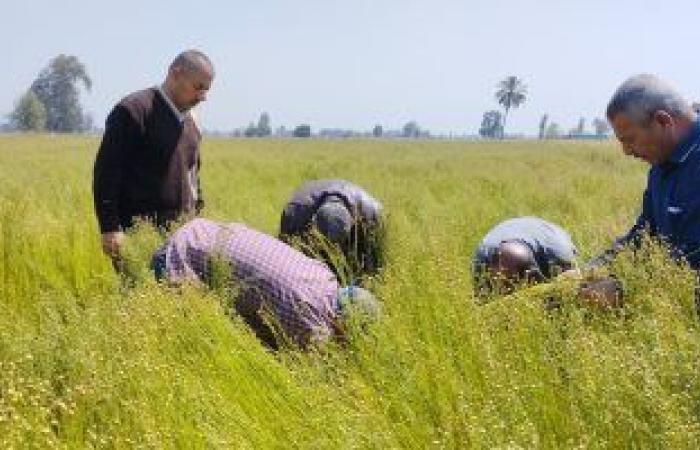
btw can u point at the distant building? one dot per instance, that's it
(586, 136)
(338, 133)
(283, 132)
(302, 131)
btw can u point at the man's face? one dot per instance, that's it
(511, 267)
(653, 142)
(189, 88)
(503, 279)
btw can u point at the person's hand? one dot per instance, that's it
(112, 243)
(605, 293)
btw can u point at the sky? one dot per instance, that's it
(354, 64)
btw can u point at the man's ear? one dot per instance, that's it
(175, 72)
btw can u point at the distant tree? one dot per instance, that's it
(511, 93)
(579, 130)
(553, 131)
(302, 131)
(88, 123)
(57, 88)
(491, 124)
(411, 130)
(264, 128)
(601, 126)
(377, 131)
(29, 114)
(251, 130)
(543, 125)
(281, 131)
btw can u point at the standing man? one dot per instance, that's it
(343, 213)
(655, 123)
(148, 163)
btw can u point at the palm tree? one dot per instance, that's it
(511, 93)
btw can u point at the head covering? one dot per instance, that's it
(333, 220)
(358, 303)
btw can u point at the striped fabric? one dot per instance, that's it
(299, 292)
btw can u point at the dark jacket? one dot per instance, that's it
(147, 165)
(670, 206)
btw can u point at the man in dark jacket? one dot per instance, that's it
(655, 123)
(342, 212)
(148, 162)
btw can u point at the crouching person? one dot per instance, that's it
(345, 214)
(282, 294)
(523, 250)
(530, 250)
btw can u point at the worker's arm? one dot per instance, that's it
(108, 176)
(632, 237)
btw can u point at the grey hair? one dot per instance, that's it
(192, 61)
(640, 96)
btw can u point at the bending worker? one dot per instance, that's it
(282, 293)
(342, 212)
(521, 250)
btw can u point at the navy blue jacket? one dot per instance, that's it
(671, 204)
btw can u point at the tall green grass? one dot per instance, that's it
(85, 361)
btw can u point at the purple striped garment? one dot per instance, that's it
(300, 292)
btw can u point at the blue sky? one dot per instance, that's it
(353, 64)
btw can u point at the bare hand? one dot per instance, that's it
(112, 243)
(605, 293)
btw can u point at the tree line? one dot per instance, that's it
(263, 128)
(511, 93)
(52, 103)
